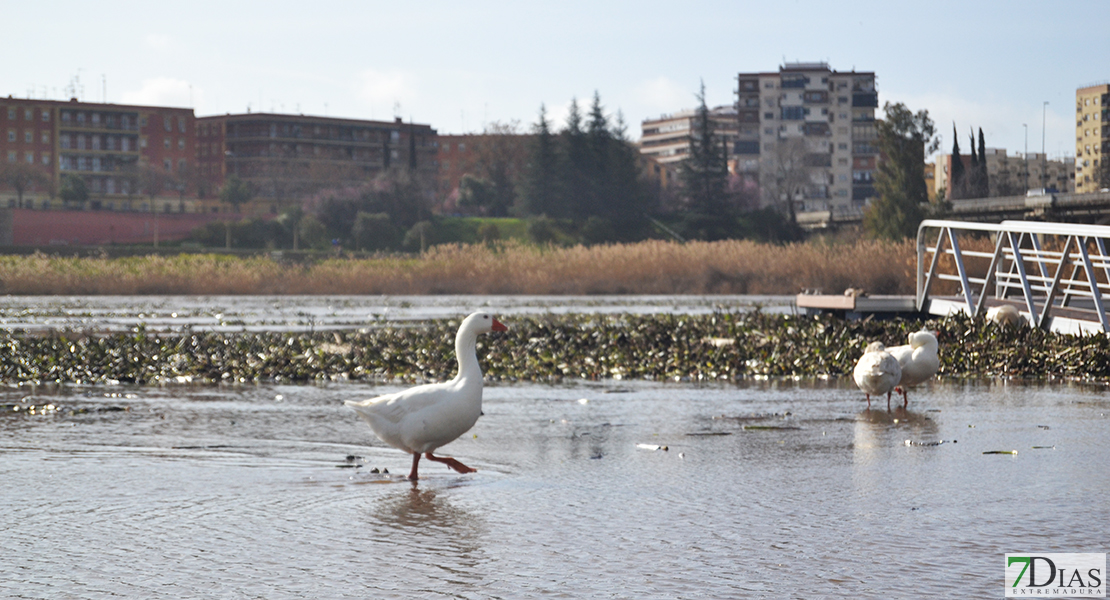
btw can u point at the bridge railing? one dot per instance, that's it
(1057, 274)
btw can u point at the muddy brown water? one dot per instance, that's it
(766, 489)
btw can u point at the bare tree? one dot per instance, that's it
(22, 177)
(788, 174)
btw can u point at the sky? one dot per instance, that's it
(458, 66)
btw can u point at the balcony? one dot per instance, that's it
(865, 99)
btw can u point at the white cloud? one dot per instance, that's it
(387, 91)
(163, 91)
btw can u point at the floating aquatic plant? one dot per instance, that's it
(546, 348)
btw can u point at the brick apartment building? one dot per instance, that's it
(285, 157)
(109, 146)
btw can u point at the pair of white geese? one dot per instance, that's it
(882, 370)
(421, 419)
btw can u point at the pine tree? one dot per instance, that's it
(704, 173)
(542, 185)
(973, 175)
(956, 183)
(574, 166)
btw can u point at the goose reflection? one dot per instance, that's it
(430, 531)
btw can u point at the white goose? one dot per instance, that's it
(919, 361)
(877, 372)
(420, 419)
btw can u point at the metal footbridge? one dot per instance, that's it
(1057, 275)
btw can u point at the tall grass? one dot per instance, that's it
(652, 267)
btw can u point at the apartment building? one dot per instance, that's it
(808, 134)
(1010, 174)
(106, 145)
(665, 142)
(285, 157)
(1092, 136)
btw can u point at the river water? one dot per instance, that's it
(765, 489)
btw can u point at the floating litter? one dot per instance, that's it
(937, 443)
(1044, 447)
(583, 400)
(1014, 452)
(652, 447)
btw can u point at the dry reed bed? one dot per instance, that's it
(652, 267)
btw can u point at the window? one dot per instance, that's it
(11, 156)
(166, 143)
(768, 115)
(167, 164)
(181, 165)
(28, 136)
(125, 144)
(96, 163)
(167, 124)
(769, 130)
(180, 143)
(28, 114)
(80, 118)
(11, 135)
(181, 124)
(11, 114)
(29, 157)
(45, 158)
(95, 142)
(842, 146)
(46, 137)
(96, 118)
(45, 116)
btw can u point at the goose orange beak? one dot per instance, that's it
(498, 326)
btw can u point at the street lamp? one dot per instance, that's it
(1026, 155)
(1044, 157)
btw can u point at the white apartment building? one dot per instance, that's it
(808, 133)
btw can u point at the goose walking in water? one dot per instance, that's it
(919, 361)
(421, 419)
(877, 372)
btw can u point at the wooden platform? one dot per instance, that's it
(857, 307)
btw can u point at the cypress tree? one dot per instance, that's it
(956, 177)
(984, 175)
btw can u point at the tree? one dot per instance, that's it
(1103, 172)
(905, 138)
(974, 177)
(153, 180)
(375, 231)
(236, 192)
(956, 184)
(704, 173)
(499, 160)
(74, 190)
(541, 185)
(541, 181)
(984, 175)
(788, 173)
(475, 192)
(22, 177)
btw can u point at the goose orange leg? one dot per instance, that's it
(450, 462)
(415, 462)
